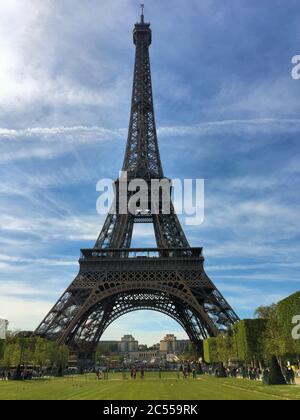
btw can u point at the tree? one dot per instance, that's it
(189, 353)
(59, 356)
(274, 338)
(42, 354)
(248, 340)
(19, 351)
(225, 348)
(100, 355)
(12, 355)
(210, 346)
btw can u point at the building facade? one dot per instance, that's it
(3, 328)
(171, 345)
(128, 344)
(109, 347)
(145, 356)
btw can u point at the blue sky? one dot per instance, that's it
(227, 111)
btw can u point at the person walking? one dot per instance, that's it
(290, 376)
(194, 374)
(293, 381)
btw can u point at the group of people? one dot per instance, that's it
(290, 375)
(134, 371)
(102, 374)
(5, 375)
(20, 374)
(253, 373)
(188, 370)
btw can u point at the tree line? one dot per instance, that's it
(256, 341)
(251, 341)
(19, 350)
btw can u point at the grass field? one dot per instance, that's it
(151, 388)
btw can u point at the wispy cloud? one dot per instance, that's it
(23, 313)
(51, 142)
(85, 134)
(251, 127)
(229, 115)
(74, 228)
(18, 262)
(76, 134)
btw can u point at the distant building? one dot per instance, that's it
(128, 344)
(155, 347)
(144, 356)
(132, 350)
(3, 328)
(182, 345)
(171, 345)
(109, 347)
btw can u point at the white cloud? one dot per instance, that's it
(51, 142)
(253, 266)
(78, 134)
(252, 301)
(83, 134)
(68, 228)
(37, 40)
(24, 314)
(17, 288)
(17, 262)
(274, 98)
(231, 213)
(73, 228)
(241, 127)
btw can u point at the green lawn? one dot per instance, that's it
(151, 388)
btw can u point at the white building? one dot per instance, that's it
(171, 345)
(3, 328)
(128, 344)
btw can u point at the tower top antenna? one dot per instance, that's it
(142, 15)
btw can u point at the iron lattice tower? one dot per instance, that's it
(115, 279)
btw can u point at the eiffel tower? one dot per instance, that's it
(115, 279)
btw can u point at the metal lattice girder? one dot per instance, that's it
(109, 286)
(115, 279)
(142, 157)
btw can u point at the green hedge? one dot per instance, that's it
(287, 309)
(249, 339)
(210, 349)
(244, 342)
